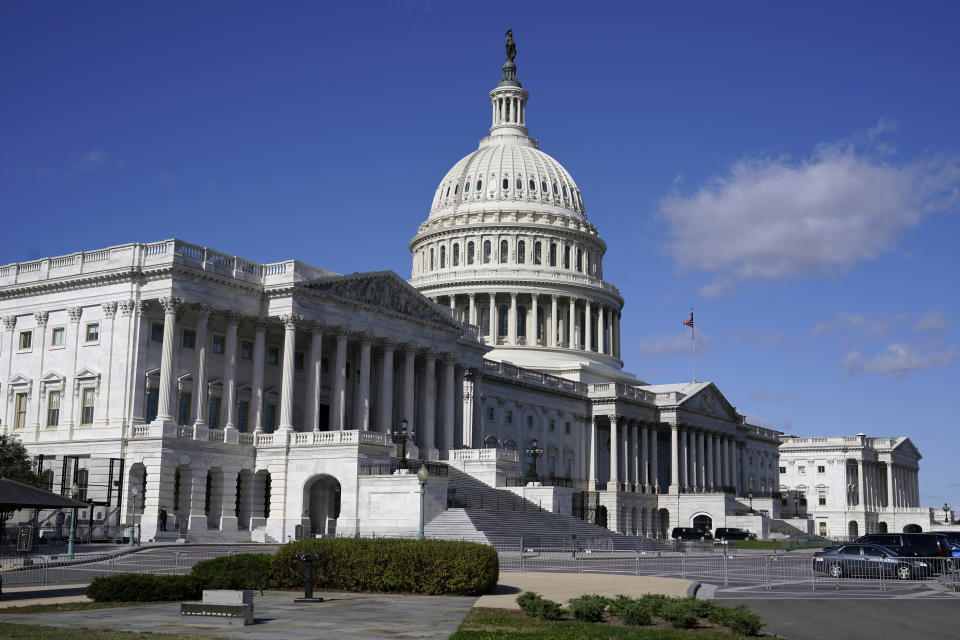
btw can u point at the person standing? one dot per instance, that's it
(163, 519)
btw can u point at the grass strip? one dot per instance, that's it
(13, 631)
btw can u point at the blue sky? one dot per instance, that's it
(790, 171)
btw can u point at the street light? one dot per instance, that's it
(750, 495)
(534, 452)
(401, 436)
(134, 494)
(946, 513)
(74, 492)
(422, 476)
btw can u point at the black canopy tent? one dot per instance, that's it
(16, 495)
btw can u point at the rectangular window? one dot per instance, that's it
(298, 360)
(20, 411)
(246, 350)
(58, 337)
(153, 402)
(822, 498)
(566, 429)
(567, 468)
(802, 470)
(219, 343)
(552, 466)
(823, 529)
(213, 419)
(53, 408)
(508, 417)
(86, 406)
(325, 366)
(802, 497)
(189, 339)
(553, 424)
(26, 340)
(243, 410)
(489, 413)
(783, 469)
(273, 355)
(821, 468)
(92, 334)
(269, 417)
(183, 409)
(156, 332)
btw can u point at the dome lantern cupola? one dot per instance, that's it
(509, 98)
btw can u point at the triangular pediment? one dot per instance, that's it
(387, 291)
(907, 447)
(710, 401)
(87, 373)
(19, 380)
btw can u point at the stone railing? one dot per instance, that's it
(620, 390)
(140, 431)
(527, 375)
(245, 439)
(485, 455)
(185, 432)
(330, 438)
(511, 272)
(215, 435)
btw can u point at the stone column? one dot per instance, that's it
(699, 471)
(635, 453)
(534, 321)
(101, 416)
(644, 474)
(472, 309)
(494, 324)
(573, 331)
(385, 402)
(654, 447)
(200, 383)
(469, 377)
(592, 472)
(674, 458)
(708, 453)
(229, 400)
(198, 497)
(165, 396)
(449, 401)
(588, 326)
(259, 356)
(290, 322)
(512, 320)
(860, 488)
(614, 442)
(430, 405)
(338, 391)
(616, 332)
(363, 390)
(601, 312)
(228, 498)
(724, 462)
(409, 384)
(314, 377)
(717, 464)
(553, 321)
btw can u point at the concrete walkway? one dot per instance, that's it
(560, 587)
(52, 594)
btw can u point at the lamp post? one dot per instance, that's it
(750, 495)
(401, 436)
(946, 513)
(534, 452)
(134, 494)
(74, 492)
(422, 476)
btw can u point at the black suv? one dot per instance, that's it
(917, 545)
(733, 533)
(689, 533)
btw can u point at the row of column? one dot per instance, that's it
(885, 484)
(702, 459)
(562, 323)
(363, 418)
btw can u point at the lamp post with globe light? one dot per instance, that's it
(534, 452)
(422, 477)
(74, 492)
(401, 435)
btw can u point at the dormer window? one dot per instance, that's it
(555, 189)
(533, 185)
(466, 188)
(564, 192)
(506, 183)
(479, 184)
(519, 184)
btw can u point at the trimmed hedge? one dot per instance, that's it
(142, 587)
(241, 571)
(385, 565)
(588, 608)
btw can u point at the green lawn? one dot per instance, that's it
(506, 624)
(10, 631)
(777, 545)
(68, 606)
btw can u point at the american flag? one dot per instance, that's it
(689, 321)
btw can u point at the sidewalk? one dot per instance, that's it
(52, 594)
(560, 587)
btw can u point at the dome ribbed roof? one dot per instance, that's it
(535, 181)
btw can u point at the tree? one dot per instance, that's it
(15, 465)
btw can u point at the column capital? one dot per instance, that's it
(170, 304)
(259, 324)
(126, 307)
(615, 419)
(430, 354)
(73, 313)
(290, 320)
(411, 349)
(9, 322)
(109, 309)
(142, 306)
(389, 344)
(448, 358)
(365, 339)
(204, 309)
(342, 332)
(472, 295)
(513, 295)
(40, 317)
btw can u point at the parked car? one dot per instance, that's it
(953, 537)
(917, 545)
(868, 561)
(690, 533)
(733, 533)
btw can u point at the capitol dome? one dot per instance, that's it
(508, 247)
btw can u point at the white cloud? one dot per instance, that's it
(674, 344)
(899, 359)
(781, 217)
(932, 322)
(96, 159)
(859, 326)
(773, 396)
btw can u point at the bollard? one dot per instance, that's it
(307, 559)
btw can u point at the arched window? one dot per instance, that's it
(566, 258)
(448, 193)
(487, 250)
(533, 185)
(553, 254)
(519, 184)
(503, 319)
(456, 254)
(579, 260)
(485, 321)
(456, 189)
(504, 251)
(521, 321)
(490, 442)
(479, 184)
(506, 183)
(564, 192)
(521, 252)
(466, 187)
(554, 189)
(543, 186)
(537, 252)
(443, 257)
(431, 258)
(470, 252)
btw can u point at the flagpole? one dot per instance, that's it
(693, 346)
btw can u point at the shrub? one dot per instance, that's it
(136, 587)
(681, 613)
(433, 567)
(655, 602)
(549, 610)
(617, 604)
(588, 608)
(529, 602)
(242, 571)
(741, 620)
(703, 608)
(635, 613)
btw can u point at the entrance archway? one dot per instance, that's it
(322, 502)
(853, 529)
(703, 522)
(913, 528)
(663, 523)
(602, 516)
(881, 527)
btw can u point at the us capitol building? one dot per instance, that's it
(263, 401)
